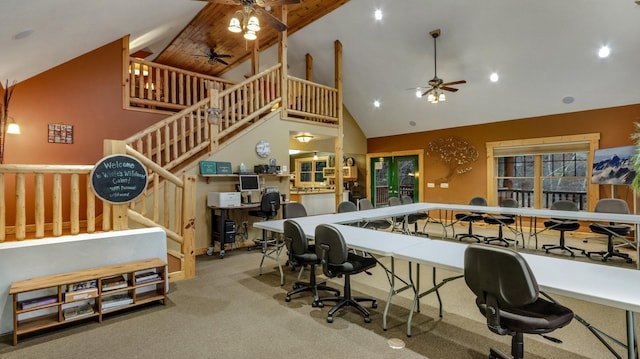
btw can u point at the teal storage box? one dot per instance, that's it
(223, 168)
(215, 168)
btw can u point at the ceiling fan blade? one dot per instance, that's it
(222, 62)
(280, 2)
(270, 19)
(451, 89)
(225, 2)
(454, 83)
(427, 92)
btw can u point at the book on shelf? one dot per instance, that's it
(116, 300)
(147, 277)
(36, 302)
(112, 283)
(78, 311)
(81, 294)
(82, 285)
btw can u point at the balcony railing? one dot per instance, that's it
(526, 198)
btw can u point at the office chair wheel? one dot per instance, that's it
(317, 304)
(374, 305)
(367, 320)
(287, 299)
(629, 260)
(329, 319)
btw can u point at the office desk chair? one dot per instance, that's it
(399, 223)
(293, 210)
(562, 225)
(269, 206)
(337, 261)
(302, 253)
(611, 230)
(365, 204)
(413, 218)
(507, 295)
(347, 206)
(502, 220)
(471, 217)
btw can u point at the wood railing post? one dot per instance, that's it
(214, 120)
(188, 226)
(119, 219)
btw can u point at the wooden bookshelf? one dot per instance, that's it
(47, 315)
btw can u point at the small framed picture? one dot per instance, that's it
(60, 133)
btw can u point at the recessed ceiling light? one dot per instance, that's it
(378, 14)
(567, 99)
(412, 123)
(604, 51)
(494, 77)
(376, 103)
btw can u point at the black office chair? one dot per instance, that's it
(399, 221)
(269, 206)
(502, 220)
(347, 206)
(562, 225)
(378, 224)
(611, 230)
(302, 253)
(413, 218)
(337, 261)
(471, 218)
(293, 210)
(507, 295)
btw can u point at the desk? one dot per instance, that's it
(220, 232)
(590, 282)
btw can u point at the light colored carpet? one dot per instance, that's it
(230, 311)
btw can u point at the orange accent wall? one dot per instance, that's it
(85, 92)
(615, 126)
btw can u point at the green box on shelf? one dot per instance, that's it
(213, 168)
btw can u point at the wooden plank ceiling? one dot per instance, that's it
(208, 30)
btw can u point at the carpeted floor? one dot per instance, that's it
(230, 311)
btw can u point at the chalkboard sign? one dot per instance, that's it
(118, 179)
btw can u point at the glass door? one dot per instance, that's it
(393, 176)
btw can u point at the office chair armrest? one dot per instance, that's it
(324, 260)
(493, 316)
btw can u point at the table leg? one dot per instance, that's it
(632, 343)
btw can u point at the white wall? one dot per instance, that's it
(41, 257)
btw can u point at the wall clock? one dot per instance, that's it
(263, 149)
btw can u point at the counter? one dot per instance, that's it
(318, 201)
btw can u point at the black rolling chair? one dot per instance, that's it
(293, 210)
(611, 230)
(379, 224)
(562, 225)
(337, 261)
(502, 220)
(302, 253)
(413, 218)
(347, 206)
(269, 206)
(471, 218)
(507, 295)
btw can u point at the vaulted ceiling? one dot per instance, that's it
(545, 51)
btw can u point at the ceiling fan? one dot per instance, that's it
(213, 57)
(437, 85)
(249, 6)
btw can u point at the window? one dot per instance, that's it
(538, 172)
(309, 171)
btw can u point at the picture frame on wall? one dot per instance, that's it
(60, 133)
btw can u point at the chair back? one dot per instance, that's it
(330, 248)
(510, 203)
(612, 205)
(270, 204)
(564, 205)
(478, 201)
(365, 203)
(406, 200)
(500, 278)
(394, 201)
(347, 206)
(293, 210)
(294, 238)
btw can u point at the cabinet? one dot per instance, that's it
(49, 301)
(310, 171)
(349, 173)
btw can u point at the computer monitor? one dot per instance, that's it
(249, 183)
